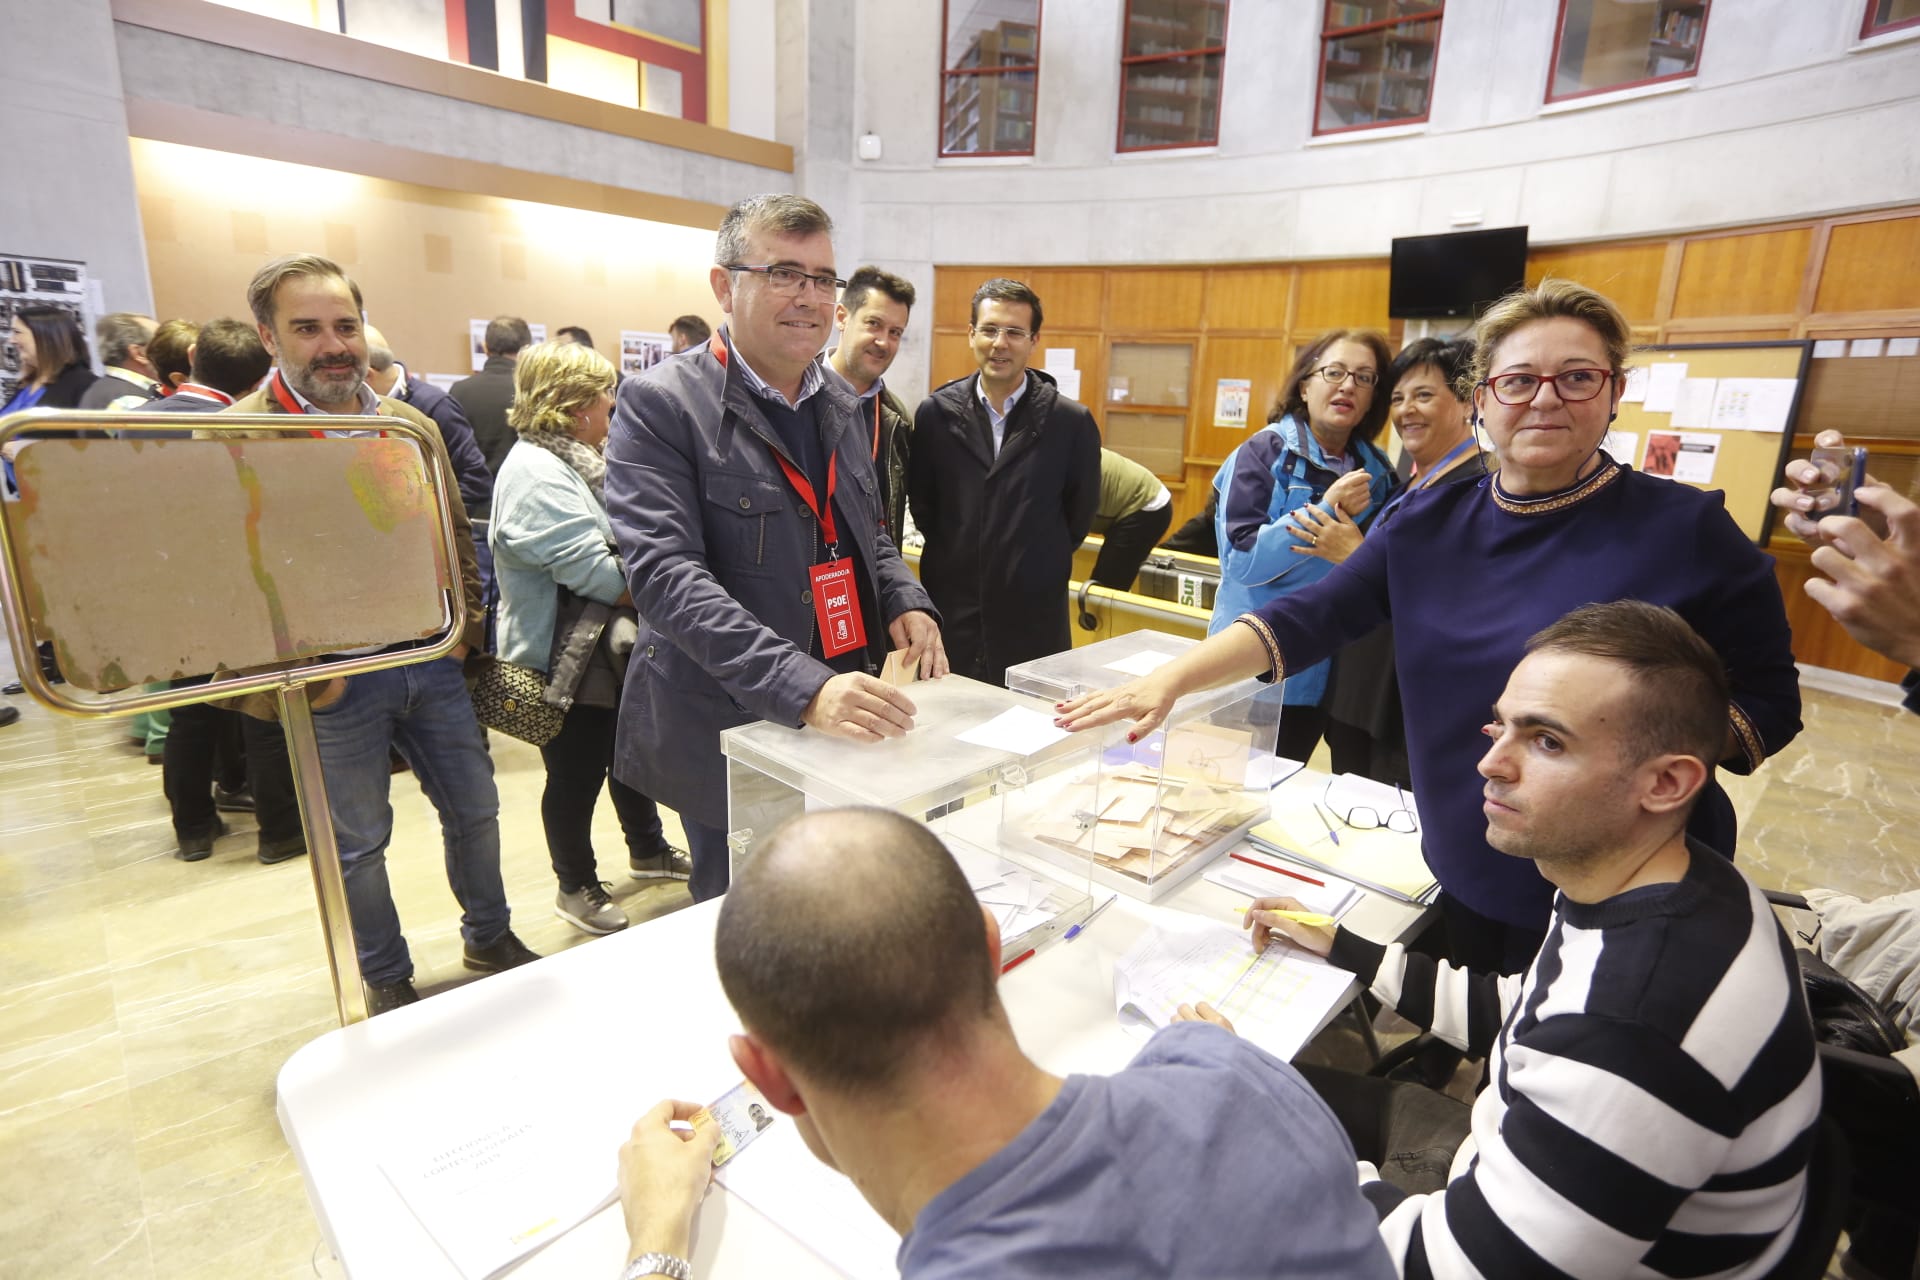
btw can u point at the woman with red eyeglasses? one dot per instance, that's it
(1467, 572)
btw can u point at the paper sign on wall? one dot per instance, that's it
(1868, 347)
(1634, 389)
(1230, 399)
(1057, 360)
(1663, 385)
(1621, 446)
(1903, 346)
(1069, 380)
(1752, 404)
(1681, 455)
(477, 332)
(641, 350)
(1693, 402)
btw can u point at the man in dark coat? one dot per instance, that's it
(1004, 480)
(485, 396)
(872, 318)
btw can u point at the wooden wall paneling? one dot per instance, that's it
(1870, 266)
(1863, 397)
(1251, 298)
(952, 358)
(1073, 298)
(953, 292)
(1155, 301)
(1341, 295)
(1089, 357)
(1817, 639)
(1630, 274)
(1262, 360)
(1751, 273)
(1769, 329)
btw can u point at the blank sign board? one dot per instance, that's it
(148, 560)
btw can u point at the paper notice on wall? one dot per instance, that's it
(1230, 399)
(1751, 404)
(539, 332)
(1069, 380)
(1903, 346)
(1693, 402)
(1621, 446)
(1681, 455)
(477, 330)
(1867, 347)
(1634, 390)
(1663, 385)
(1829, 348)
(1056, 360)
(444, 381)
(641, 350)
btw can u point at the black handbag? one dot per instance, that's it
(512, 699)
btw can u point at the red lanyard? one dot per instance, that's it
(205, 393)
(801, 485)
(876, 426)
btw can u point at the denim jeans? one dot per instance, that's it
(712, 863)
(424, 712)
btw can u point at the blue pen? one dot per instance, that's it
(1075, 931)
(1331, 833)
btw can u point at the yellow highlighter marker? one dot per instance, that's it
(1298, 917)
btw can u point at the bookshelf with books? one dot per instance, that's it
(1376, 64)
(1601, 46)
(988, 90)
(1170, 74)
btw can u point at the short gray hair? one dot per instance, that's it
(380, 357)
(117, 333)
(787, 215)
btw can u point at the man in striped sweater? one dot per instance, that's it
(1652, 1088)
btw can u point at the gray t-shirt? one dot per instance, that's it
(1205, 1157)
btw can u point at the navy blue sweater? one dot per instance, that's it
(1467, 574)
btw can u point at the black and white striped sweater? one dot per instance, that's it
(1652, 1097)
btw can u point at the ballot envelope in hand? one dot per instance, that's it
(741, 1113)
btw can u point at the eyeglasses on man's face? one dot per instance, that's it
(1339, 373)
(1571, 385)
(792, 280)
(995, 332)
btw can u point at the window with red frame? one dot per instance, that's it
(989, 76)
(1603, 45)
(1170, 74)
(1889, 15)
(1376, 63)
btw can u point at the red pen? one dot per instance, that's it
(1022, 958)
(1268, 866)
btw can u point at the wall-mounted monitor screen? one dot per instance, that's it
(1455, 275)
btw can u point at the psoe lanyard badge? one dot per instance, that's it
(836, 601)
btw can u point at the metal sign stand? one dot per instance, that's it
(340, 506)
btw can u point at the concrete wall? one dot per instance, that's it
(69, 191)
(1787, 118)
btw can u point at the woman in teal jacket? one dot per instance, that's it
(561, 582)
(1318, 449)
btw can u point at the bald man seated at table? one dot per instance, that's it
(865, 974)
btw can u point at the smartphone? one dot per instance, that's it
(1841, 472)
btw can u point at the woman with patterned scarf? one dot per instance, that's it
(565, 610)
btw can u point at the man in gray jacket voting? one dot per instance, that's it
(744, 501)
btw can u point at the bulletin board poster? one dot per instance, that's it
(27, 281)
(641, 351)
(1230, 399)
(1717, 416)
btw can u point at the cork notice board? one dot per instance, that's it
(149, 560)
(1716, 416)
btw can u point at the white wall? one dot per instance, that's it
(750, 67)
(68, 191)
(1786, 118)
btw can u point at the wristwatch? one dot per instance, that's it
(658, 1264)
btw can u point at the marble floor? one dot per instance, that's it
(147, 1004)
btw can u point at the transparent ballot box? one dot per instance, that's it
(970, 744)
(1146, 815)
